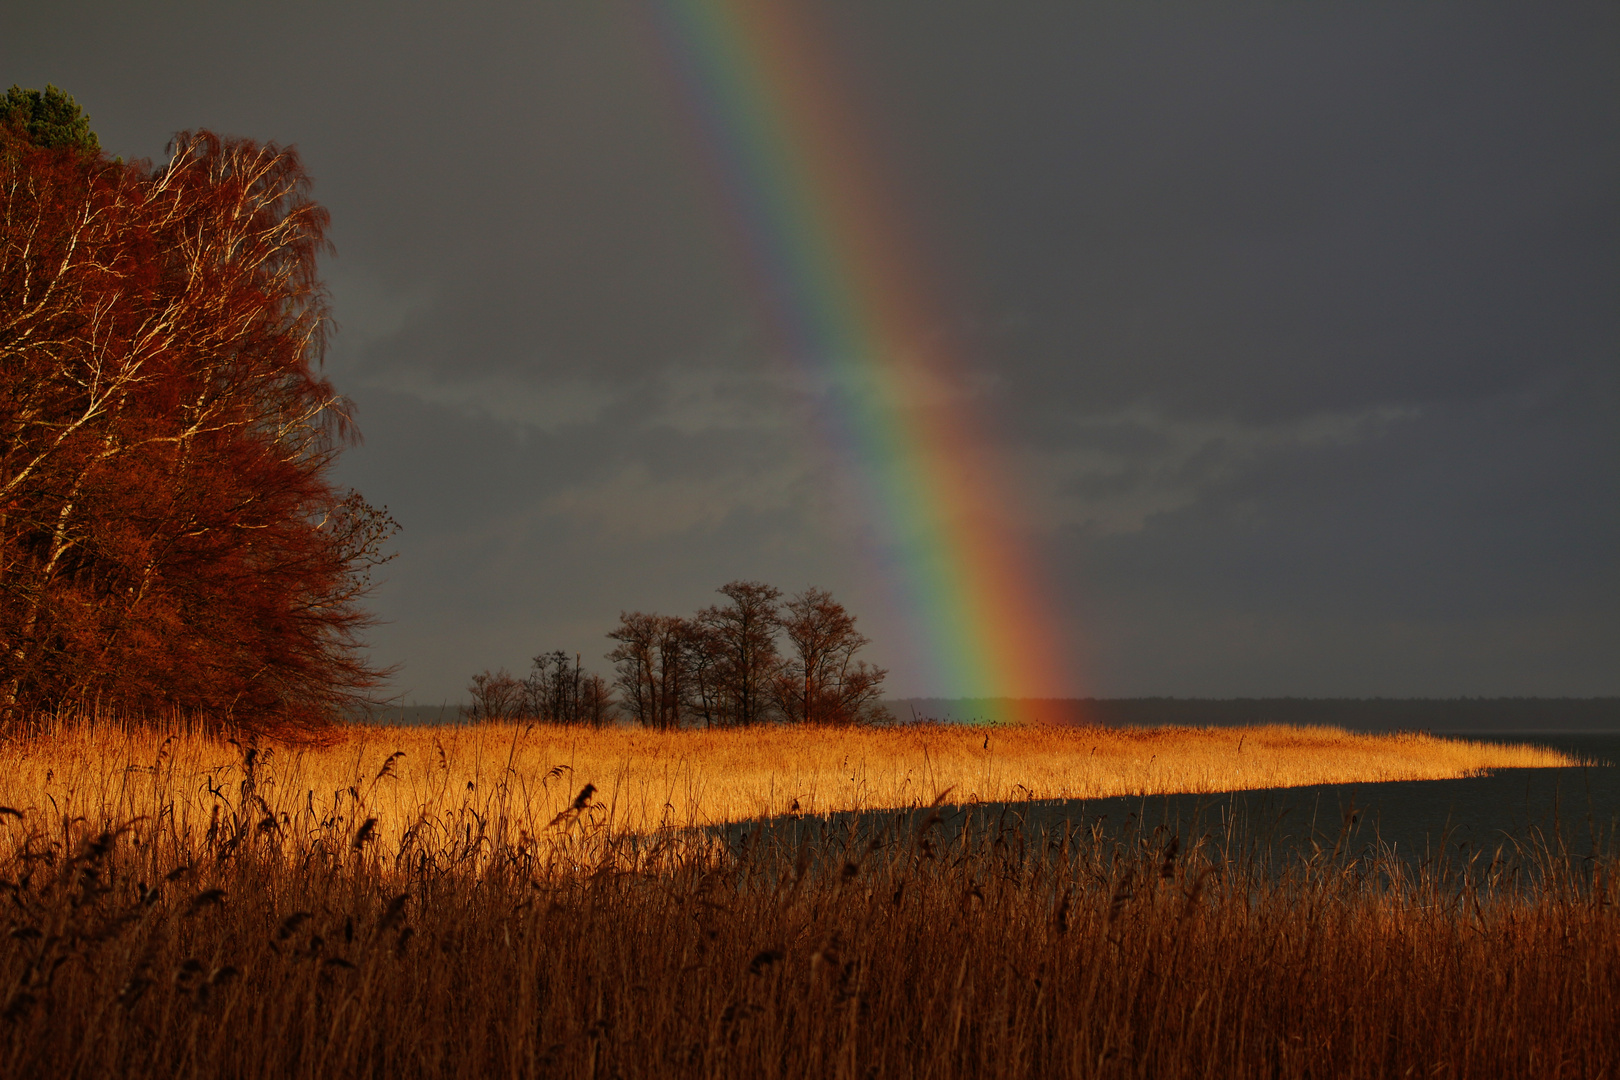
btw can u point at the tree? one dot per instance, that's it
(558, 690)
(822, 682)
(551, 691)
(652, 664)
(495, 696)
(595, 700)
(170, 537)
(706, 692)
(742, 635)
(48, 119)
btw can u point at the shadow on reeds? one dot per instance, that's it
(1571, 814)
(938, 942)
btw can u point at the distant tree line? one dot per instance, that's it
(556, 690)
(756, 658)
(171, 539)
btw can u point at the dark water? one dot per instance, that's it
(1575, 809)
(1448, 716)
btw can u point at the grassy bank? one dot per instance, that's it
(526, 775)
(260, 943)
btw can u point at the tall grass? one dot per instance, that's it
(645, 779)
(502, 934)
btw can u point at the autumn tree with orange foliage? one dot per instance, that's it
(171, 540)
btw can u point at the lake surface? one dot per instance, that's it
(1411, 819)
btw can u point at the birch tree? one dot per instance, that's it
(170, 537)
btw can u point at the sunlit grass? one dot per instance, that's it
(527, 774)
(190, 909)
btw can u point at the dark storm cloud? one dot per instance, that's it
(1301, 322)
(1286, 209)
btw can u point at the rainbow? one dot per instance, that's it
(851, 312)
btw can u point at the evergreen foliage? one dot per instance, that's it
(49, 119)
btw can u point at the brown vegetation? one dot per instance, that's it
(240, 922)
(170, 537)
(647, 778)
(721, 668)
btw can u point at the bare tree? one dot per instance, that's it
(595, 700)
(822, 682)
(651, 661)
(495, 696)
(721, 668)
(551, 691)
(633, 664)
(743, 636)
(706, 698)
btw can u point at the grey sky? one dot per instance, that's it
(1301, 322)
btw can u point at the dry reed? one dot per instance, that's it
(503, 934)
(645, 779)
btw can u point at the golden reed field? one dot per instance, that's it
(453, 902)
(526, 774)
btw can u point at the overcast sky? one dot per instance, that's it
(1301, 322)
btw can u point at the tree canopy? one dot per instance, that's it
(48, 119)
(170, 535)
(724, 668)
